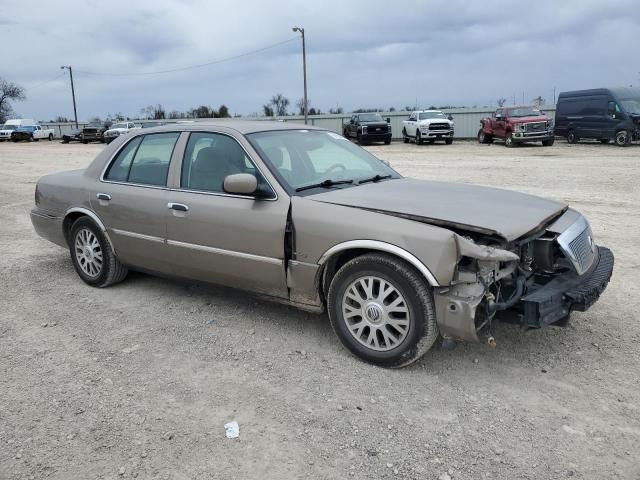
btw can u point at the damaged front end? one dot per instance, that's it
(534, 281)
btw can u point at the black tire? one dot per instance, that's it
(422, 330)
(548, 143)
(387, 141)
(508, 141)
(31, 139)
(405, 137)
(604, 141)
(111, 270)
(51, 137)
(360, 139)
(65, 140)
(623, 138)
(482, 137)
(85, 141)
(448, 141)
(572, 137)
(418, 139)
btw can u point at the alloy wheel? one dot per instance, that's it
(88, 252)
(376, 314)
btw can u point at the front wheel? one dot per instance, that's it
(548, 143)
(382, 310)
(360, 142)
(387, 141)
(418, 139)
(92, 257)
(405, 137)
(508, 141)
(623, 138)
(572, 137)
(448, 141)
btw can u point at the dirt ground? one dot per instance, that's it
(139, 379)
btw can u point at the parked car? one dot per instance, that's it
(31, 133)
(118, 129)
(367, 128)
(93, 132)
(428, 125)
(11, 125)
(602, 114)
(517, 125)
(74, 135)
(303, 216)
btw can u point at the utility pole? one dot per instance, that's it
(304, 72)
(73, 93)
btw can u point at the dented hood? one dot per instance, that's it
(486, 210)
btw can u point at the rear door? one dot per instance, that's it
(213, 236)
(131, 200)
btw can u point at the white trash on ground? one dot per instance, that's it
(232, 429)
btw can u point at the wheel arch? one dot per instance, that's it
(335, 257)
(74, 213)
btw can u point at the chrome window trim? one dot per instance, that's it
(384, 247)
(221, 251)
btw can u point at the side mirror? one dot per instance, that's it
(388, 120)
(241, 184)
(450, 117)
(351, 121)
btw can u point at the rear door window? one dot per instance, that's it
(144, 160)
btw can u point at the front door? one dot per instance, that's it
(234, 240)
(131, 200)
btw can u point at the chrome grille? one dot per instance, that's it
(577, 243)
(439, 126)
(535, 127)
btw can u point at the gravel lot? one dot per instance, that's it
(139, 379)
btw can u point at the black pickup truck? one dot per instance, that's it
(368, 127)
(94, 132)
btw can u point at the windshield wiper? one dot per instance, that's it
(325, 183)
(376, 178)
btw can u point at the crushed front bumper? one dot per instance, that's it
(553, 302)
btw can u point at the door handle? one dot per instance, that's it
(103, 196)
(180, 207)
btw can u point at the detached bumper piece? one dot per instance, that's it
(552, 303)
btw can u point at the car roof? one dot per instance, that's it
(241, 126)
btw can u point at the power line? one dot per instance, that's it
(44, 83)
(159, 72)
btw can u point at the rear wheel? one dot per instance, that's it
(623, 138)
(92, 256)
(548, 143)
(382, 310)
(572, 137)
(508, 141)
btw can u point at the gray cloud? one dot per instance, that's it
(373, 53)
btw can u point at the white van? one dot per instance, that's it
(11, 125)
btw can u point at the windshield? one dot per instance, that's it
(371, 117)
(307, 157)
(426, 115)
(524, 112)
(119, 125)
(8, 126)
(631, 105)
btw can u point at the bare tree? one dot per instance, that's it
(175, 114)
(280, 104)
(501, 101)
(336, 111)
(268, 110)
(9, 91)
(153, 112)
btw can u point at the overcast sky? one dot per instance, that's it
(360, 53)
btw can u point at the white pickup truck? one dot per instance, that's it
(429, 126)
(31, 133)
(118, 129)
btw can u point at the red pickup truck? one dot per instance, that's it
(515, 125)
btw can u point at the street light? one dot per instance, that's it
(304, 71)
(73, 92)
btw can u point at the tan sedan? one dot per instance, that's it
(304, 216)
